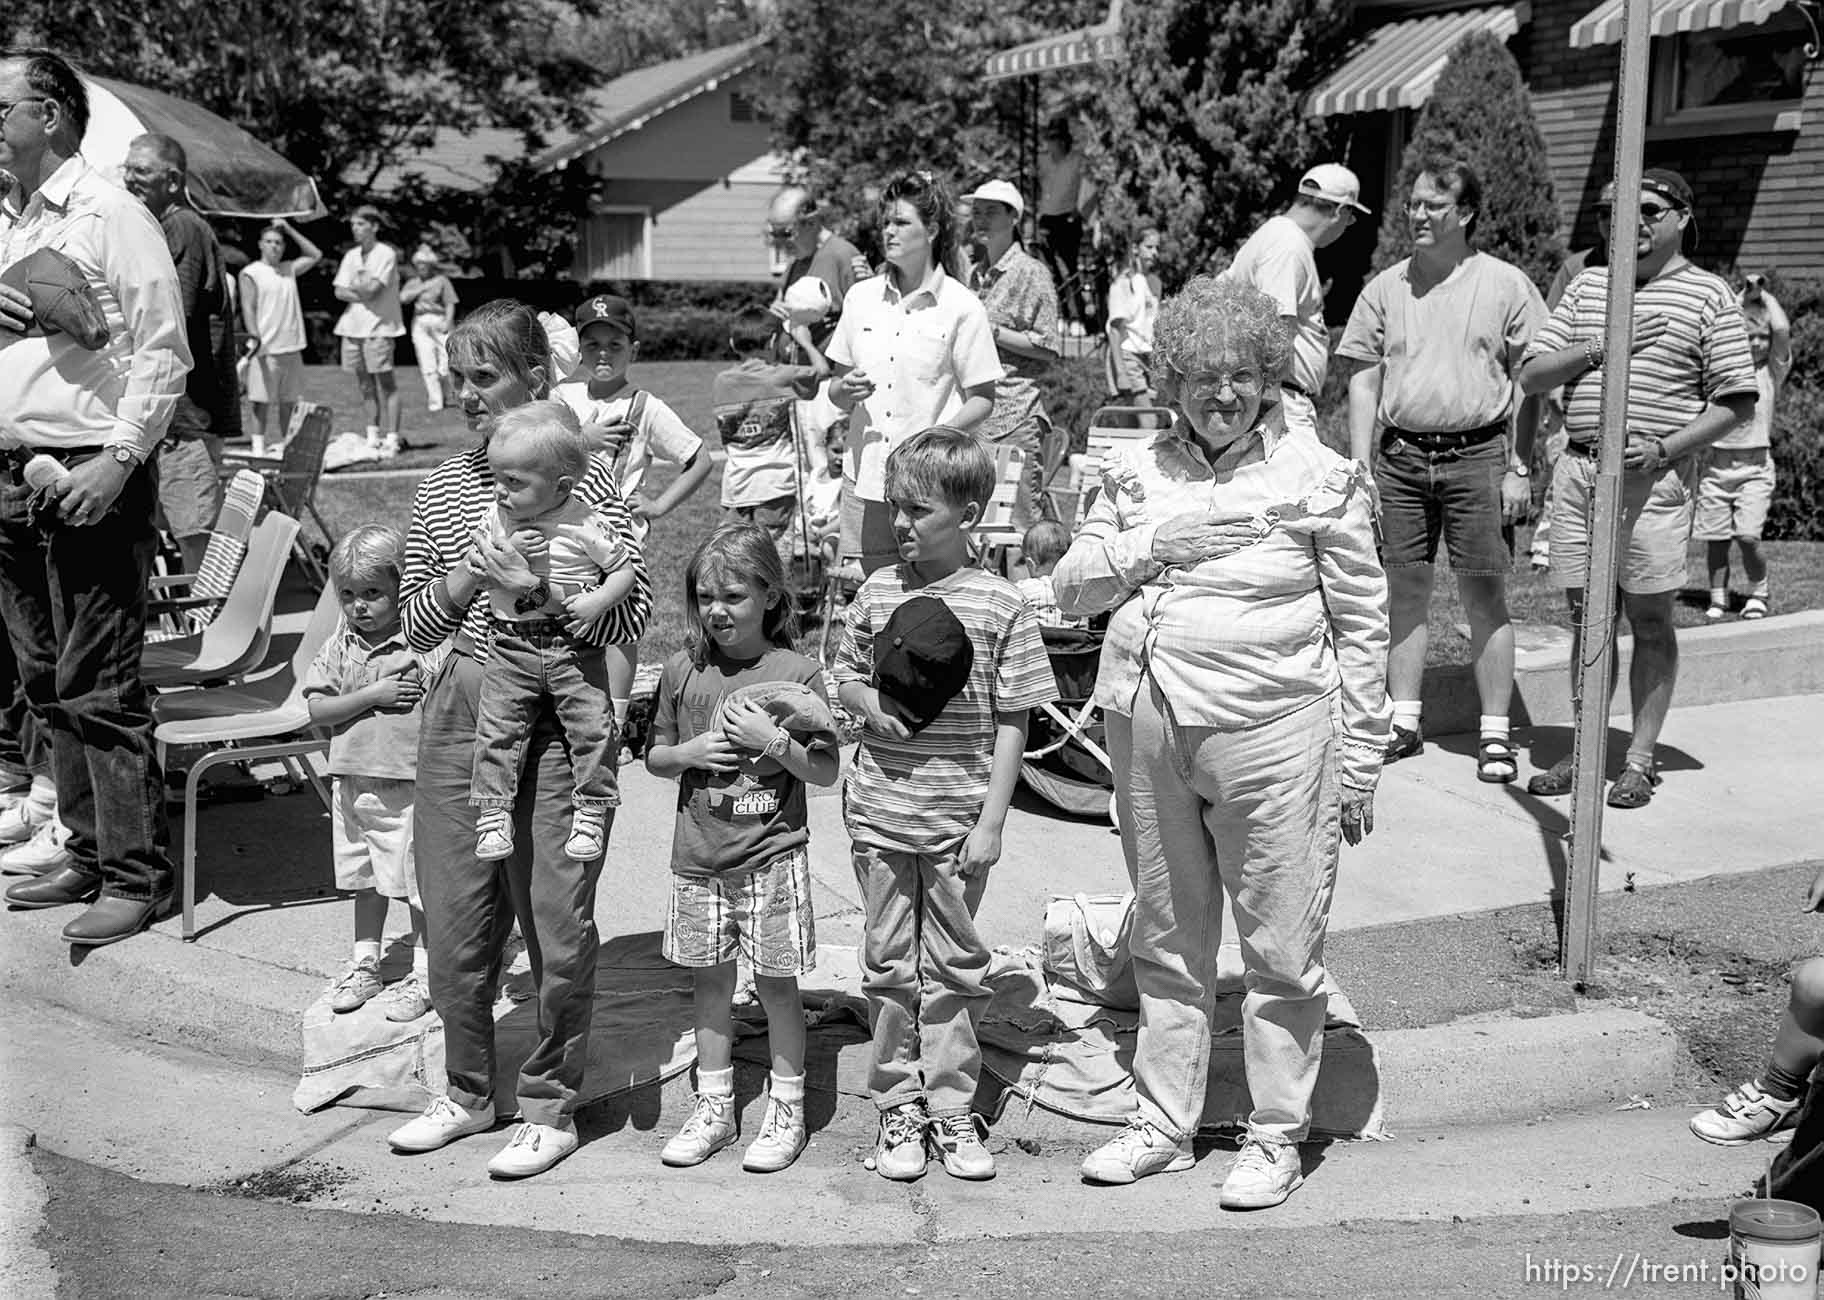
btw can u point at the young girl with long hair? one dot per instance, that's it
(742, 721)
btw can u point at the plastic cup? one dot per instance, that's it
(1773, 1250)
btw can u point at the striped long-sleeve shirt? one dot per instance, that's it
(452, 502)
(1299, 616)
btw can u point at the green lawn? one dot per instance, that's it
(1797, 567)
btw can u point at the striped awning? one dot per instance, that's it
(1098, 44)
(1602, 25)
(1396, 64)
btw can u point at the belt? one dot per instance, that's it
(1448, 441)
(1287, 386)
(1587, 450)
(68, 455)
(530, 626)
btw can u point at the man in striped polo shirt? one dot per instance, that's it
(1690, 382)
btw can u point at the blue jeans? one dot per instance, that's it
(530, 664)
(24, 752)
(1454, 495)
(74, 603)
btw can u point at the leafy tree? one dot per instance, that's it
(861, 92)
(1481, 111)
(346, 88)
(1198, 129)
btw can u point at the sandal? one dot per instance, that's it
(1633, 788)
(1556, 779)
(1497, 761)
(1754, 607)
(1716, 612)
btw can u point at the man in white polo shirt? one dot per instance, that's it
(1278, 259)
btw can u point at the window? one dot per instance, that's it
(1751, 78)
(615, 245)
(743, 107)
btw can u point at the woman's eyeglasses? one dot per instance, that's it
(1244, 383)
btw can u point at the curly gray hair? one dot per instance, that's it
(1212, 315)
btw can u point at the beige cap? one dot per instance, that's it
(1000, 192)
(1333, 183)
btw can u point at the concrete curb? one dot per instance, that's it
(26, 1272)
(1716, 665)
(1475, 1071)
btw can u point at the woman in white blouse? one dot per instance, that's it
(914, 348)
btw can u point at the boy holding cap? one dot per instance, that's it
(941, 661)
(1280, 260)
(629, 427)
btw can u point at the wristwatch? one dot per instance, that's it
(776, 747)
(123, 455)
(1523, 471)
(535, 599)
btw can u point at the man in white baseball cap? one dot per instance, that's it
(1279, 260)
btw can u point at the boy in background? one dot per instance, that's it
(365, 686)
(631, 428)
(941, 661)
(764, 475)
(1735, 483)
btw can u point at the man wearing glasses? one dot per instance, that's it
(795, 225)
(1691, 381)
(1436, 342)
(75, 556)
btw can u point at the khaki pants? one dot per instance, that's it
(1253, 814)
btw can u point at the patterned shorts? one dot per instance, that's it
(764, 914)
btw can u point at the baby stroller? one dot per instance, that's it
(1065, 763)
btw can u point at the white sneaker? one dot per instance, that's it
(45, 851)
(1139, 1151)
(588, 834)
(356, 986)
(407, 1000)
(442, 1123)
(532, 1149)
(20, 815)
(782, 1139)
(1263, 1175)
(493, 834)
(711, 1127)
(1744, 1115)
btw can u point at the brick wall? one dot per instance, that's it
(1760, 197)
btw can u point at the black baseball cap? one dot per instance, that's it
(606, 309)
(1668, 184)
(922, 659)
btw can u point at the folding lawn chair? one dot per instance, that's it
(236, 640)
(292, 483)
(1112, 429)
(186, 603)
(263, 717)
(997, 535)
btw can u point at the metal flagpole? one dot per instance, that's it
(1597, 639)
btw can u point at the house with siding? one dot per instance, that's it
(1735, 102)
(687, 166)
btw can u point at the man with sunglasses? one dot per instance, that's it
(795, 224)
(1436, 341)
(1691, 381)
(75, 556)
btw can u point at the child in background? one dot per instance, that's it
(1735, 482)
(364, 687)
(941, 661)
(1771, 1101)
(764, 475)
(1041, 549)
(630, 427)
(741, 880)
(1133, 304)
(537, 456)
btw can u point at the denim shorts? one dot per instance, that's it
(1734, 493)
(1455, 495)
(764, 914)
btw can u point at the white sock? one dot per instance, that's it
(43, 795)
(716, 1083)
(1760, 589)
(620, 712)
(368, 949)
(790, 1091)
(421, 963)
(1493, 726)
(1719, 595)
(1406, 714)
(373, 433)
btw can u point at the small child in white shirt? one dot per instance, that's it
(1041, 549)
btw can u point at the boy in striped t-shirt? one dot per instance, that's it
(1690, 381)
(941, 662)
